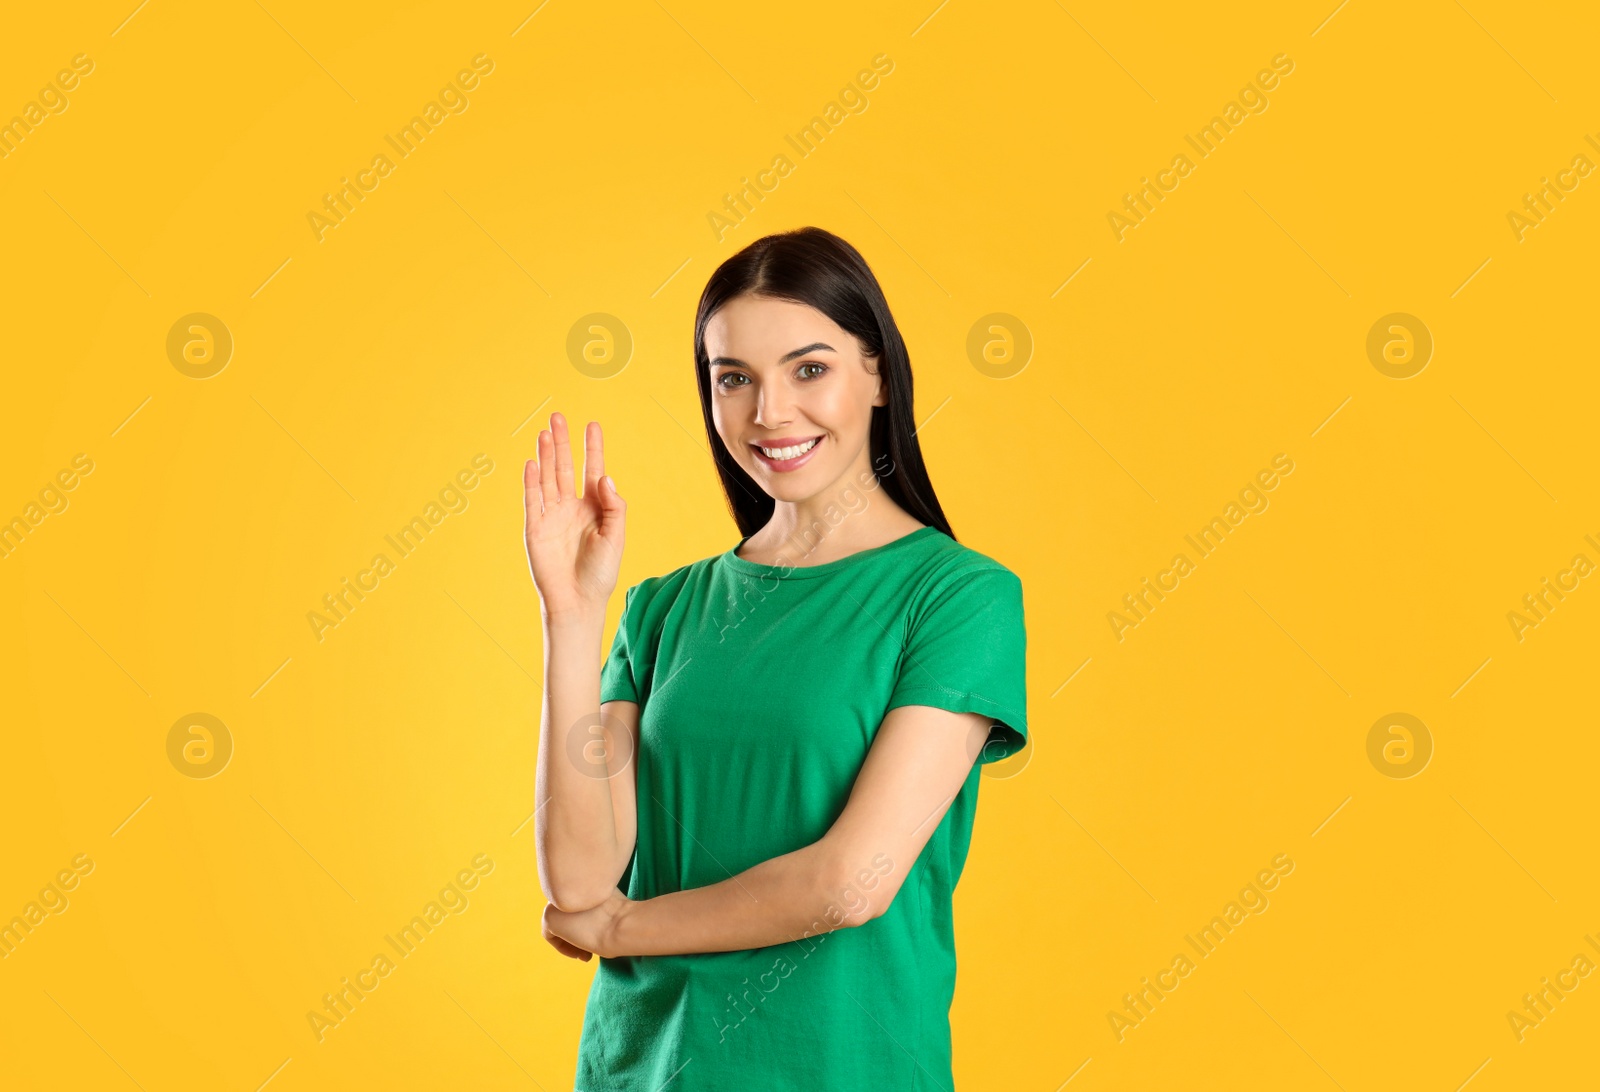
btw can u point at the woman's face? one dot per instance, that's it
(791, 395)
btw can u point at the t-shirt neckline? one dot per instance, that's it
(791, 572)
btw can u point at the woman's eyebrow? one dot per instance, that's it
(802, 351)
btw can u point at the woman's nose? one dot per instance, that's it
(772, 407)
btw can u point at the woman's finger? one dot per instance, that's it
(594, 459)
(558, 429)
(560, 944)
(571, 950)
(547, 470)
(532, 500)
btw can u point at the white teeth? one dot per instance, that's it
(781, 453)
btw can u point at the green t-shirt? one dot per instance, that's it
(760, 689)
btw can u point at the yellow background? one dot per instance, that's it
(1225, 729)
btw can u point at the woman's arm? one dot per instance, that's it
(916, 765)
(583, 790)
(585, 822)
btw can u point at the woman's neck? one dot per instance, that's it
(827, 534)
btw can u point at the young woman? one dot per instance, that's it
(784, 767)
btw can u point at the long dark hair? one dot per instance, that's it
(817, 268)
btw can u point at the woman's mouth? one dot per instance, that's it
(790, 455)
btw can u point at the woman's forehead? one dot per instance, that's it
(763, 328)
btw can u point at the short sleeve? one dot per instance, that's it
(966, 652)
(617, 673)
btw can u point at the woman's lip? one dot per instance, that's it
(783, 465)
(788, 441)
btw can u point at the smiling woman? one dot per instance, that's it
(783, 454)
(810, 710)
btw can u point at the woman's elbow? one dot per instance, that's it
(854, 896)
(576, 872)
(880, 900)
(577, 895)
(573, 886)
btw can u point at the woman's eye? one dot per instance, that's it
(821, 368)
(723, 381)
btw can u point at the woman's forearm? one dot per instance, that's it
(806, 893)
(575, 826)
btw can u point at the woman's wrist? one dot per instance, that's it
(620, 929)
(573, 619)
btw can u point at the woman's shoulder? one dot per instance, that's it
(939, 564)
(948, 560)
(666, 586)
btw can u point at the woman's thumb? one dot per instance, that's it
(612, 507)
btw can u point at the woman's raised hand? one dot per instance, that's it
(574, 543)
